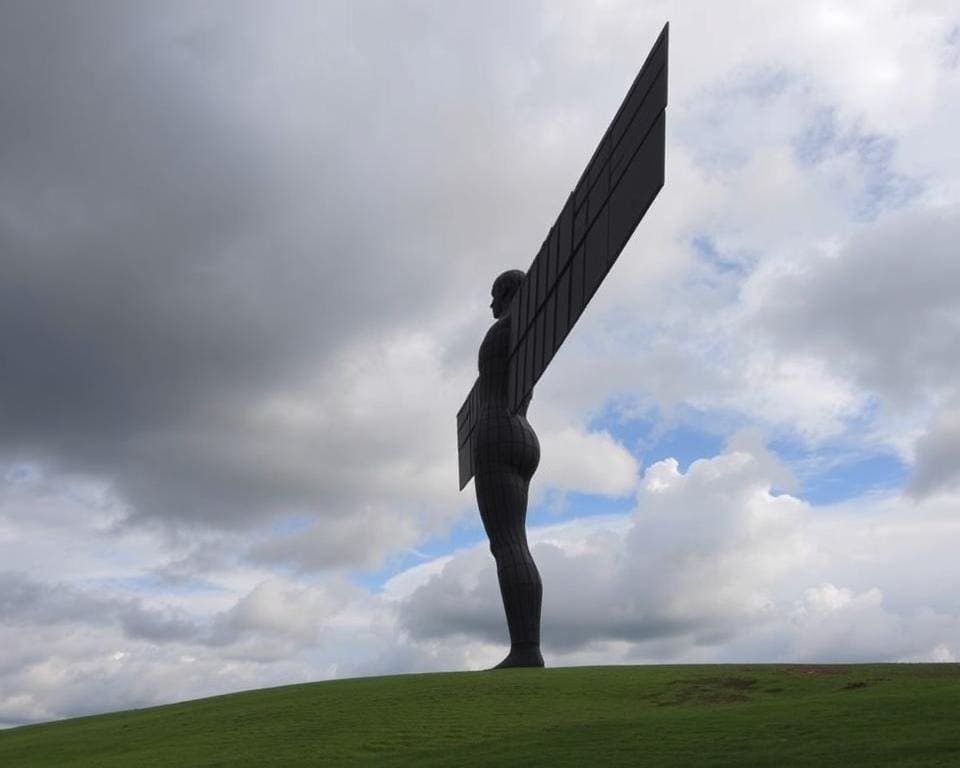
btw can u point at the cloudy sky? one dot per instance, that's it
(245, 259)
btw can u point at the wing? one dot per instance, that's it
(466, 420)
(620, 182)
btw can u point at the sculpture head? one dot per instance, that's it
(503, 289)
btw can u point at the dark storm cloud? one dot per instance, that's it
(203, 205)
(136, 294)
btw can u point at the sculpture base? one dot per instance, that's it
(522, 655)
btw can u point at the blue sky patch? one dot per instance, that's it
(465, 533)
(706, 250)
(810, 145)
(833, 473)
(881, 186)
(687, 435)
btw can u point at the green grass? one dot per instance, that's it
(732, 715)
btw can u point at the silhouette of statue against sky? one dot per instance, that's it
(534, 312)
(505, 456)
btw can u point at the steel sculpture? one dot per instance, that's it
(534, 313)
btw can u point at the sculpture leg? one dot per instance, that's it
(522, 593)
(502, 498)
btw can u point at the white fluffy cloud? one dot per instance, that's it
(698, 560)
(713, 566)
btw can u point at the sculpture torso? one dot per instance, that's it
(492, 363)
(502, 437)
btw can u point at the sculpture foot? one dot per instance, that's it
(522, 655)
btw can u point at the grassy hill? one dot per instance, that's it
(733, 715)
